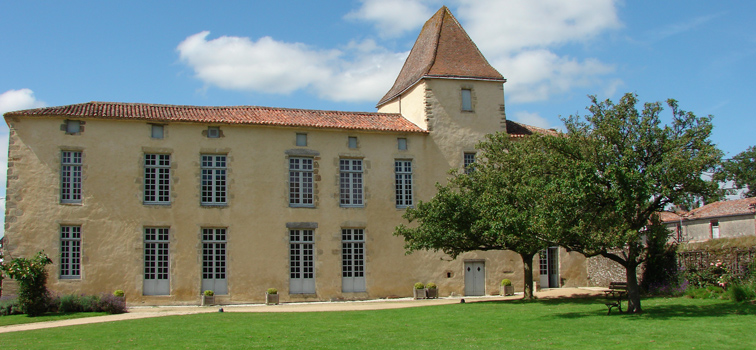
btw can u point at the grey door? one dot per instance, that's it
(475, 278)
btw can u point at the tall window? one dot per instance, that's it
(467, 100)
(70, 177)
(714, 225)
(301, 262)
(156, 261)
(213, 179)
(351, 182)
(300, 182)
(353, 260)
(70, 251)
(469, 162)
(214, 260)
(403, 176)
(157, 178)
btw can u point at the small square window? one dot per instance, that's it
(467, 100)
(73, 126)
(352, 142)
(302, 140)
(157, 131)
(402, 143)
(213, 132)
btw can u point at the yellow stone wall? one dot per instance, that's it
(112, 214)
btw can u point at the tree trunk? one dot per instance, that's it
(633, 291)
(527, 265)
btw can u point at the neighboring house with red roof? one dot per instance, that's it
(166, 201)
(733, 218)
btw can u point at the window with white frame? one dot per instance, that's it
(301, 262)
(213, 191)
(156, 261)
(157, 178)
(301, 182)
(214, 260)
(351, 182)
(469, 162)
(70, 251)
(70, 176)
(353, 260)
(403, 182)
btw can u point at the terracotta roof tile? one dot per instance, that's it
(668, 216)
(724, 208)
(251, 115)
(517, 130)
(442, 50)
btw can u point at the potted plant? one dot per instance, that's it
(208, 298)
(506, 287)
(431, 290)
(271, 296)
(118, 293)
(419, 291)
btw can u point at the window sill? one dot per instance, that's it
(302, 206)
(213, 205)
(75, 204)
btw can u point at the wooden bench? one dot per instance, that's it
(614, 295)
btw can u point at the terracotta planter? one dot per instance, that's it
(419, 293)
(431, 293)
(271, 299)
(507, 290)
(208, 300)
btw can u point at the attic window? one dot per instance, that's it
(301, 140)
(156, 131)
(213, 132)
(467, 100)
(73, 126)
(402, 144)
(352, 142)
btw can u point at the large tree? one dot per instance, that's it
(620, 166)
(741, 169)
(494, 206)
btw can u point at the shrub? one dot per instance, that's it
(419, 285)
(119, 293)
(90, 303)
(32, 279)
(272, 291)
(208, 293)
(506, 282)
(69, 303)
(431, 285)
(742, 291)
(112, 304)
(10, 306)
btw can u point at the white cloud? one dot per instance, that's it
(519, 38)
(393, 17)
(536, 75)
(533, 119)
(13, 100)
(360, 72)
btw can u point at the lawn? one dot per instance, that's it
(546, 324)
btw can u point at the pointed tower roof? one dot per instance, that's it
(442, 50)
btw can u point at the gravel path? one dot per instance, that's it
(378, 304)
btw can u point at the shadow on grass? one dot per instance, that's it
(653, 308)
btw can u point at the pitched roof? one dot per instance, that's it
(251, 115)
(668, 216)
(442, 50)
(517, 130)
(724, 208)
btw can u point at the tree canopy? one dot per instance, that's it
(741, 170)
(596, 189)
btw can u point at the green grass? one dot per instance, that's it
(677, 323)
(21, 319)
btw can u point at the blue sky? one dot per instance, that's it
(344, 55)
